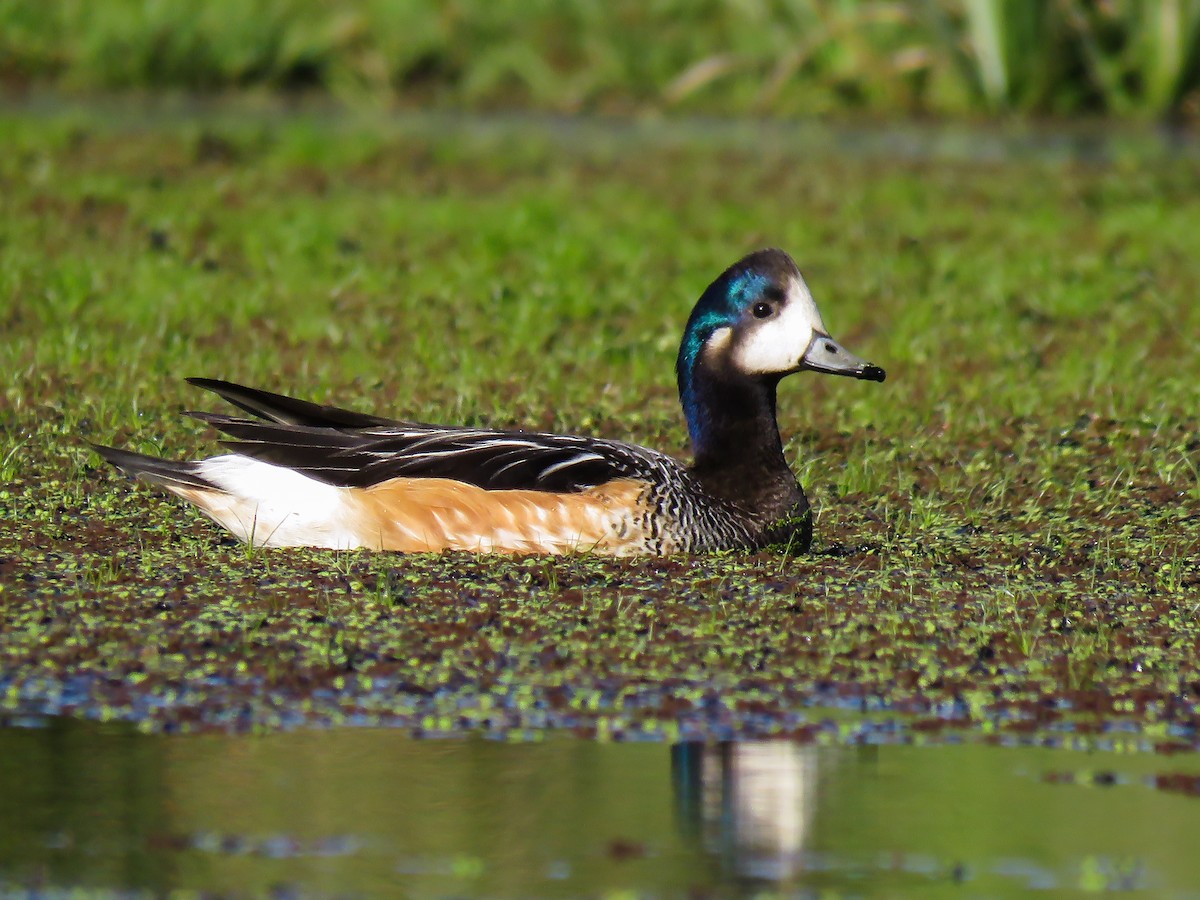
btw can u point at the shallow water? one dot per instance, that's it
(1054, 141)
(351, 812)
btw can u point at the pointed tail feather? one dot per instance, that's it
(163, 472)
(288, 410)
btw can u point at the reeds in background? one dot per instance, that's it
(766, 57)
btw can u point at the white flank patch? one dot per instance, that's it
(270, 506)
(774, 346)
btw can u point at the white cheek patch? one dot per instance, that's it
(718, 342)
(774, 346)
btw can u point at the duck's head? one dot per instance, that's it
(755, 324)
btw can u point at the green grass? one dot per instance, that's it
(1012, 518)
(801, 57)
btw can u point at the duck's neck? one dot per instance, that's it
(735, 439)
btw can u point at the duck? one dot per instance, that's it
(302, 474)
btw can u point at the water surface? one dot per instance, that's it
(359, 812)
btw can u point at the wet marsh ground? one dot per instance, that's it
(1007, 531)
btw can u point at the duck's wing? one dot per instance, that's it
(494, 460)
(351, 449)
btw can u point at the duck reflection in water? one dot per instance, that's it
(752, 804)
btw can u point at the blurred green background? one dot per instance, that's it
(763, 57)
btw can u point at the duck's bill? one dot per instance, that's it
(824, 354)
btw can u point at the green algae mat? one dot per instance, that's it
(1007, 529)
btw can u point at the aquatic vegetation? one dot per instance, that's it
(1006, 533)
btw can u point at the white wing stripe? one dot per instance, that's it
(505, 468)
(566, 463)
(463, 444)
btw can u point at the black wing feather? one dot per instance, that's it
(288, 410)
(329, 444)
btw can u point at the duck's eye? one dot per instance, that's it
(761, 310)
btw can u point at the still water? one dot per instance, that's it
(366, 812)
